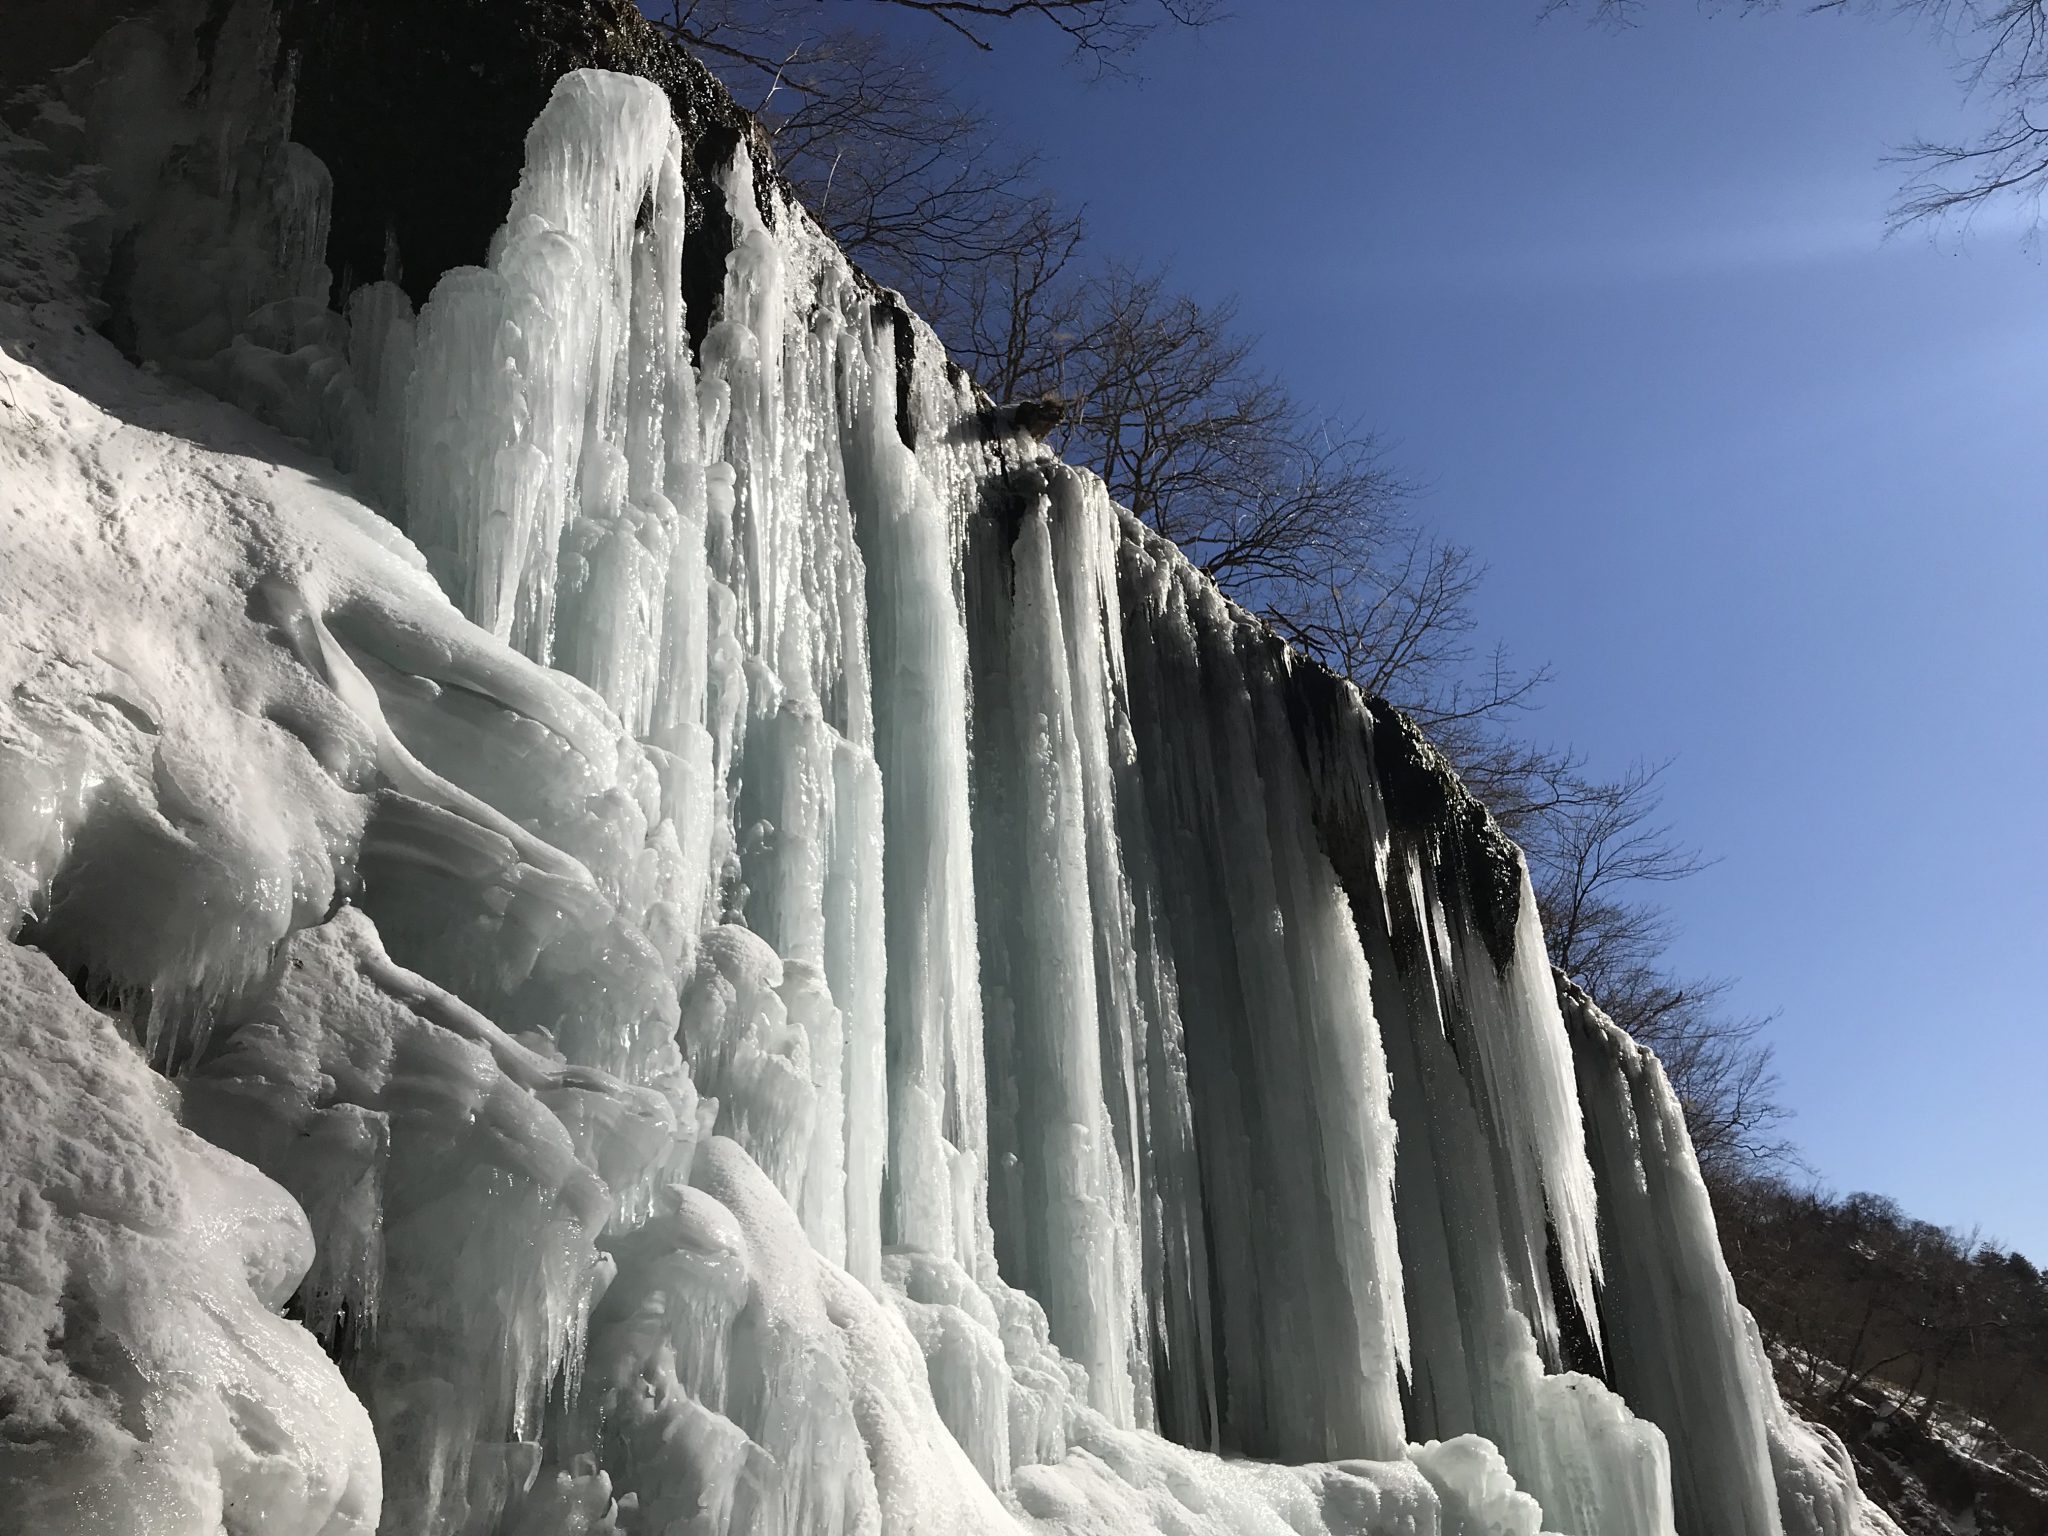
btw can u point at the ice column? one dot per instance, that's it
(1679, 1343)
(779, 363)
(1059, 1195)
(1287, 1078)
(937, 1085)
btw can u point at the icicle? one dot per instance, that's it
(1058, 1201)
(937, 1090)
(516, 411)
(1282, 1046)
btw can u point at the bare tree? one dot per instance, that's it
(1304, 521)
(1595, 851)
(1099, 28)
(2001, 51)
(1022, 317)
(1595, 854)
(1104, 30)
(2005, 58)
(913, 183)
(1719, 1064)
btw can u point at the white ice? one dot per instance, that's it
(786, 966)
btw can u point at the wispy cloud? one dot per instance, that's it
(1676, 253)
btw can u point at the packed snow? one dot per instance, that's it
(741, 947)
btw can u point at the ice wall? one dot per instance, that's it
(803, 972)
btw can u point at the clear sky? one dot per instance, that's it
(1763, 486)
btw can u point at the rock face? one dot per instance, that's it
(766, 959)
(374, 81)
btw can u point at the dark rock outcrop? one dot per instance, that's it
(420, 114)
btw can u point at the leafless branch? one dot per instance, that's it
(2001, 56)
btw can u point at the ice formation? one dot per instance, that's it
(744, 950)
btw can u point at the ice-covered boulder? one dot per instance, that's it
(148, 1382)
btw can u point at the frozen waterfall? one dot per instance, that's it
(740, 946)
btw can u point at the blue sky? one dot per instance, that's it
(1761, 484)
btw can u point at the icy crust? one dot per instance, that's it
(147, 1384)
(836, 986)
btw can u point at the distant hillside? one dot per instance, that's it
(1926, 1350)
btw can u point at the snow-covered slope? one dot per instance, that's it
(771, 962)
